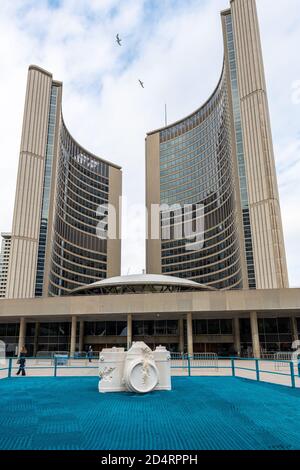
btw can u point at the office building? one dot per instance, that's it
(4, 261)
(221, 156)
(60, 185)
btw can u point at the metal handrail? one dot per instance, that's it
(188, 363)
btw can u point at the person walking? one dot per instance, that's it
(90, 353)
(22, 361)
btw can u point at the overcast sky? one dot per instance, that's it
(175, 47)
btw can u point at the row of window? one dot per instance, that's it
(46, 194)
(208, 198)
(220, 230)
(99, 183)
(217, 264)
(240, 152)
(75, 236)
(213, 327)
(75, 261)
(200, 167)
(186, 157)
(86, 162)
(195, 120)
(222, 279)
(268, 328)
(198, 134)
(221, 235)
(75, 276)
(205, 255)
(90, 176)
(195, 135)
(62, 247)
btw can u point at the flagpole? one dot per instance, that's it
(166, 116)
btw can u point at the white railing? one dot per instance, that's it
(176, 356)
(197, 360)
(44, 355)
(268, 356)
(205, 360)
(282, 356)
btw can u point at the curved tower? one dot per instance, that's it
(60, 185)
(221, 157)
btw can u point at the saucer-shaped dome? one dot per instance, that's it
(140, 283)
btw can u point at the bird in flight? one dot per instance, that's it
(119, 40)
(141, 83)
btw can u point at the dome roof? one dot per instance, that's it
(136, 283)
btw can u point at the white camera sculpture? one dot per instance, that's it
(138, 370)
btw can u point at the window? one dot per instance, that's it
(148, 328)
(226, 327)
(121, 328)
(160, 327)
(213, 327)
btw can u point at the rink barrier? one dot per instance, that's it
(184, 362)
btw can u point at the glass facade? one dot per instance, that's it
(67, 205)
(52, 337)
(9, 334)
(79, 256)
(221, 157)
(105, 328)
(217, 335)
(46, 193)
(275, 334)
(155, 328)
(196, 168)
(212, 327)
(240, 151)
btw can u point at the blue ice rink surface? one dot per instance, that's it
(199, 413)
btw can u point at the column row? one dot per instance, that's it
(186, 338)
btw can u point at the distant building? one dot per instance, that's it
(4, 261)
(222, 156)
(55, 247)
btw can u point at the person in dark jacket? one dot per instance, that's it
(22, 362)
(90, 353)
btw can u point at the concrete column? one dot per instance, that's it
(22, 334)
(237, 335)
(73, 336)
(255, 335)
(189, 321)
(294, 325)
(81, 335)
(129, 331)
(36, 338)
(181, 335)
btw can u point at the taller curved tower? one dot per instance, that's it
(222, 156)
(55, 247)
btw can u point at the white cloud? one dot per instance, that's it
(175, 48)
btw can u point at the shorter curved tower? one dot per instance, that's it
(220, 157)
(60, 186)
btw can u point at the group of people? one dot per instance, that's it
(22, 359)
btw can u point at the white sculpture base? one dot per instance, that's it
(138, 370)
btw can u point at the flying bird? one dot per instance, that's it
(119, 40)
(141, 83)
